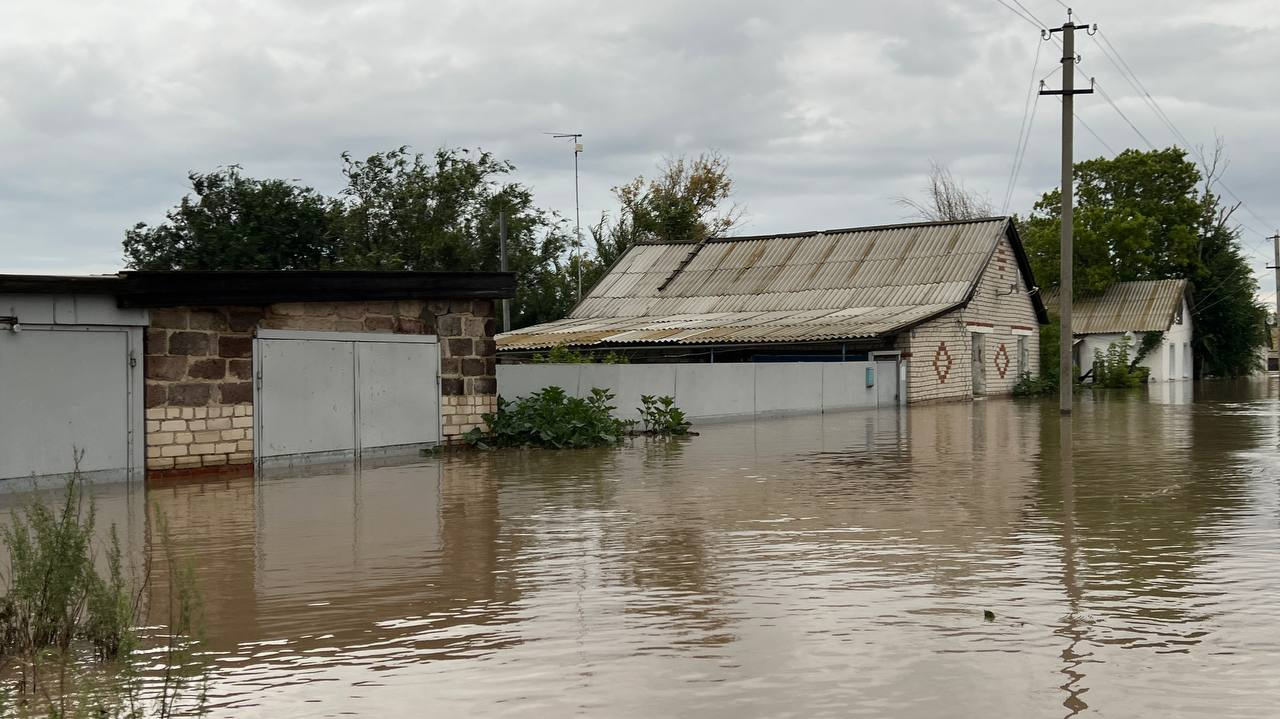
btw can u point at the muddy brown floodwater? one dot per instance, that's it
(835, 565)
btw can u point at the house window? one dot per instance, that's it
(1024, 357)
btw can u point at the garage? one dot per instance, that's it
(182, 374)
(331, 396)
(70, 384)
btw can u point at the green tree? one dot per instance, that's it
(400, 211)
(690, 200)
(232, 222)
(1153, 215)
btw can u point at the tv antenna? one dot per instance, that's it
(577, 207)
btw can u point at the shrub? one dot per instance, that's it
(661, 416)
(1043, 386)
(1111, 369)
(550, 418)
(561, 354)
(59, 614)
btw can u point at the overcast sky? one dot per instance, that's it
(827, 111)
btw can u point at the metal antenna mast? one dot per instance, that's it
(577, 207)
(1066, 375)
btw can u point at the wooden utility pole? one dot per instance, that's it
(1276, 239)
(1066, 376)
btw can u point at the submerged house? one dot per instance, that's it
(176, 373)
(952, 305)
(1132, 311)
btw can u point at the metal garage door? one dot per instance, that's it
(65, 390)
(328, 396)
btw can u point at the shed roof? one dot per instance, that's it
(812, 286)
(1140, 306)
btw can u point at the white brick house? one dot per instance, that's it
(953, 303)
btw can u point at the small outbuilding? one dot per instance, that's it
(187, 372)
(1152, 315)
(938, 310)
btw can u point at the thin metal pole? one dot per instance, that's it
(1066, 375)
(502, 263)
(577, 212)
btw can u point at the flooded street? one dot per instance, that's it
(835, 565)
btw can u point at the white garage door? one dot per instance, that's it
(68, 390)
(326, 396)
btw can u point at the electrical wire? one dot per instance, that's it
(1029, 19)
(1096, 136)
(1030, 14)
(1024, 131)
(1120, 112)
(1113, 55)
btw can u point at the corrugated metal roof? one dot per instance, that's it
(837, 284)
(1141, 306)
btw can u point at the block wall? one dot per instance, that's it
(1001, 312)
(199, 368)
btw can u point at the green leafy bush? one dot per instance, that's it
(562, 354)
(661, 416)
(1045, 385)
(1112, 370)
(551, 418)
(62, 619)
(54, 593)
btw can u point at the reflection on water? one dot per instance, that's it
(832, 565)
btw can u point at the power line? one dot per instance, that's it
(1125, 117)
(1030, 14)
(1097, 137)
(1024, 132)
(1027, 18)
(1126, 71)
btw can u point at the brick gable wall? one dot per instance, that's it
(940, 367)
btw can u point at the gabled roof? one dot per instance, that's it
(1141, 306)
(802, 287)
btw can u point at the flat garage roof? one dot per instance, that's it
(171, 289)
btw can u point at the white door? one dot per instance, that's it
(886, 381)
(68, 391)
(979, 364)
(324, 396)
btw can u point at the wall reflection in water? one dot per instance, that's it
(821, 565)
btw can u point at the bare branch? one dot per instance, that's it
(946, 198)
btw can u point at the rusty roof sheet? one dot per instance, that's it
(1142, 306)
(836, 284)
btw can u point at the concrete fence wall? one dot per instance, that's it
(706, 391)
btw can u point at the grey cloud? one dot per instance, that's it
(827, 111)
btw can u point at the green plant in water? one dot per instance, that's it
(551, 418)
(55, 595)
(1029, 386)
(661, 416)
(67, 631)
(1112, 370)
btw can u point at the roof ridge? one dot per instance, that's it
(838, 230)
